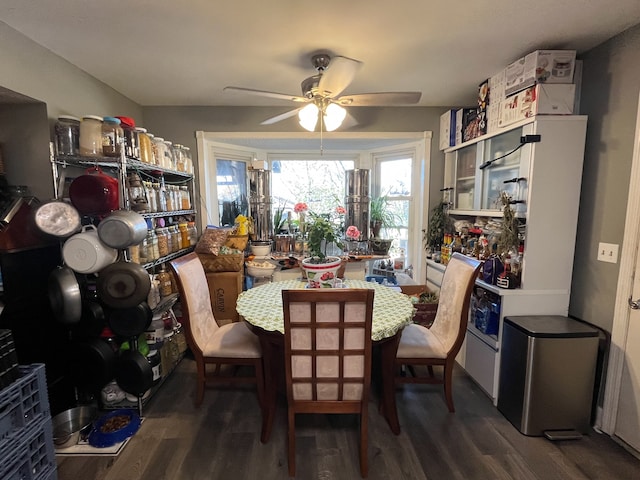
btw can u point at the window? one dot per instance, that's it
(318, 183)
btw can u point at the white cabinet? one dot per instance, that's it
(545, 178)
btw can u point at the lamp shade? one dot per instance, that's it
(308, 117)
(333, 116)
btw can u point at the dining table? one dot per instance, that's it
(261, 308)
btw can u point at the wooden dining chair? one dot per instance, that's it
(327, 344)
(228, 345)
(439, 344)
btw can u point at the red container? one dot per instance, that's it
(94, 193)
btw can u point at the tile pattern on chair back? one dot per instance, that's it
(201, 320)
(327, 339)
(452, 296)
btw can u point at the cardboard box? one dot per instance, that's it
(461, 114)
(447, 129)
(541, 99)
(224, 288)
(541, 66)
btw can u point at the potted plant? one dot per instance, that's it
(426, 305)
(439, 224)
(380, 216)
(321, 269)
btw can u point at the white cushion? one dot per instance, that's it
(233, 340)
(420, 342)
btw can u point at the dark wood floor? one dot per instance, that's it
(220, 440)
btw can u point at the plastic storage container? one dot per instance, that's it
(91, 136)
(67, 131)
(547, 374)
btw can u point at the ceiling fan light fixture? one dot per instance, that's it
(308, 117)
(333, 116)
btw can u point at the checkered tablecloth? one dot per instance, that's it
(262, 306)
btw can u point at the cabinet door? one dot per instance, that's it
(465, 188)
(502, 175)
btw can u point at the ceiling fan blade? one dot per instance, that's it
(282, 116)
(263, 93)
(379, 99)
(338, 75)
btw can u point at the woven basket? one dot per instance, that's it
(237, 241)
(221, 263)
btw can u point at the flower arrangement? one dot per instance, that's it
(353, 233)
(301, 208)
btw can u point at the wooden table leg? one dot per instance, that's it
(270, 390)
(388, 350)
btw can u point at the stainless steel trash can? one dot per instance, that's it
(547, 373)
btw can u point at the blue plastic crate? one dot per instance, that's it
(31, 455)
(380, 279)
(21, 403)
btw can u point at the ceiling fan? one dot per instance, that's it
(322, 94)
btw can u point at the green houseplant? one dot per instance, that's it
(380, 215)
(439, 223)
(320, 233)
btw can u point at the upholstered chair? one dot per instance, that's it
(328, 357)
(439, 344)
(229, 345)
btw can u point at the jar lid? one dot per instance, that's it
(186, 148)
(150, 135)
(140, 129)
(168, 142)
(127, 121)
(112, 120)
(68, 117)
(92, 117)
(177, 145)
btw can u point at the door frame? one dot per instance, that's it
(624, 290)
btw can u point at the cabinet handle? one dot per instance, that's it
(634, 305)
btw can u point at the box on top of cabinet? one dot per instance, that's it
(461, 115)
(540, 99)
(541, 66)
(447, 129)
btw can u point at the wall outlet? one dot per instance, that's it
(608, 252)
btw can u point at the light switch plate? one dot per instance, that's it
(608, 252)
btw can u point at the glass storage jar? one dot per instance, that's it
(193, 233)
(188, 161)
(169, 157)
(184, 235)
(158, 147)
(145, 145)
(165, 282)
(67, 131)
(163, 242)
(168, 197)
(131, 145)
(152, 160)
(175, 237)
(185, 198)
(112, 136)
(178, 153)
(91, 136)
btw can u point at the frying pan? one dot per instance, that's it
(64, 296)
(133, 372)
(92, 321)
(123, 285)
(130, 322)
(92, 363)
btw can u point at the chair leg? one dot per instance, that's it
(430, 370)
(292, 442)
(201, 380)
(448, 380)
(364, 444)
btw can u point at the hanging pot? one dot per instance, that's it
(130, 322)
(94, 193)
(84, 252)
(92, 321)
(92, 363)
(133, 372)
(57, 218)
(122, 229)
(64, 296)
(123, 285)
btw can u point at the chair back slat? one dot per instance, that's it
(328, 344)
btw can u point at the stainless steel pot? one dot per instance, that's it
(123, 285)
(122, 229)
(64, 296)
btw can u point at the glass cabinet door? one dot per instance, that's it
(465, 178)
(503, 173)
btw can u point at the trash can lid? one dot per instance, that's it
(551, 326)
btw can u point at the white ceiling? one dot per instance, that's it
(161, 52)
